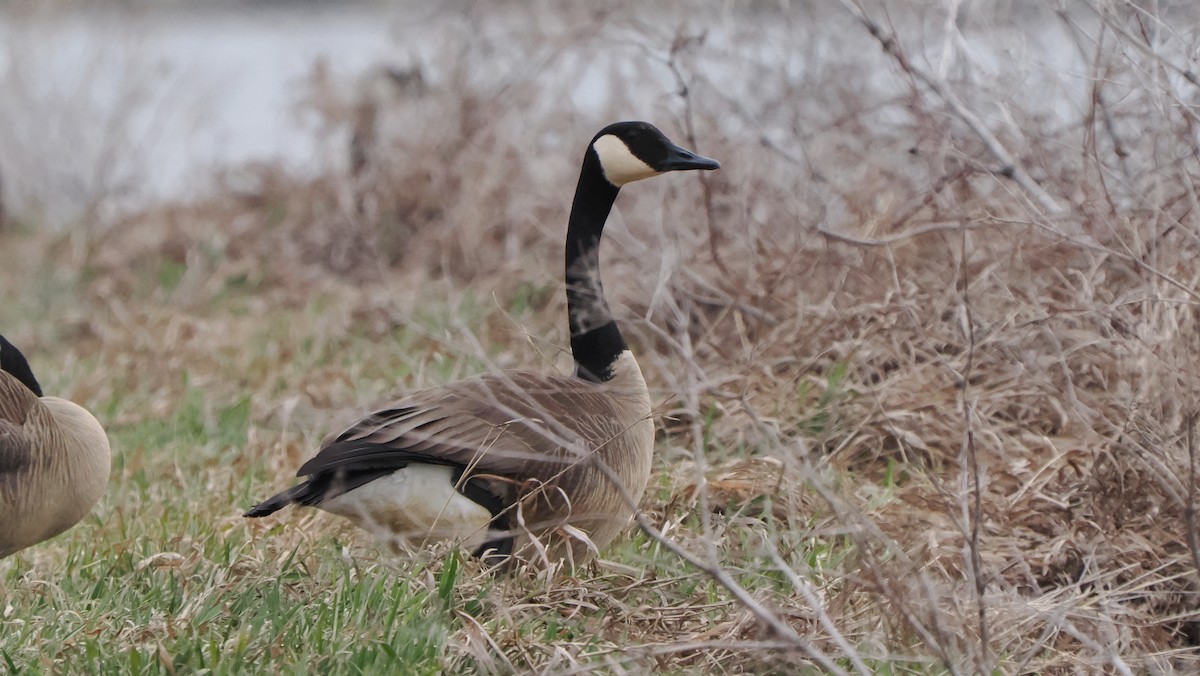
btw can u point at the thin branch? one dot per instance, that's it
(930, 195)
(718, 574)
(862, 527)
(1009, 167)
(1088, 244)
(1097, 111)
(628, 655)
(805, 588)
(684, 91)
(1143, 46)
(1189, 514)
(975, 514)
(781, 629)
(935, 637)
(926, 229)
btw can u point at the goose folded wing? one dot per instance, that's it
(17, 406)
(17, 403)
(14, 458)
(488, 425)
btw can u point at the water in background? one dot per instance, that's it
(107, 109)
(139, 106)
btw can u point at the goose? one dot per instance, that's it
(515, 463)
(54, 458)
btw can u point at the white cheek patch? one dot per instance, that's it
(620, 165)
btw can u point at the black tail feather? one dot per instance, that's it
(319, 488)
(295, 494)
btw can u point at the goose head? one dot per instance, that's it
(14, 363)
(632, 151)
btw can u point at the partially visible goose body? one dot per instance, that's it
(54, 458)
(515, 461)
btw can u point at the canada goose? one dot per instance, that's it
(501, 461)
(54, 458)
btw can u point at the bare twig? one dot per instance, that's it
(1087, 244)
(684, 91)
(1189, 513)
(859, 528)
(628, 654)
(1097, 108)
(933, 637)
(1142, 45)
(777, 626)
(975, 514)
(718, 574)
(930, 195)
(805, 588)
(1009, 168)
(926, 229)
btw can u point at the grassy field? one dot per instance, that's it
(925, 357)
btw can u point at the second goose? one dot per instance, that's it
(516, 462)
(54, 458)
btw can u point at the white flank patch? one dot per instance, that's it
(416, 503)
(619, 163)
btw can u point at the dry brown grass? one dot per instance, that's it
(951, 426)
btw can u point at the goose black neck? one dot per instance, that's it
(595, 340)
(13, 362)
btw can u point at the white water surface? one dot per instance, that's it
(150, 104)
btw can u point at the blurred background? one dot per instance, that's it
(121, 103)
(925, 352)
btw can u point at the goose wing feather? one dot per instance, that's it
(18, 409)
(516, 424)
(14, 458)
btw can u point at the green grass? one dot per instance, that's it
(125, 611)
